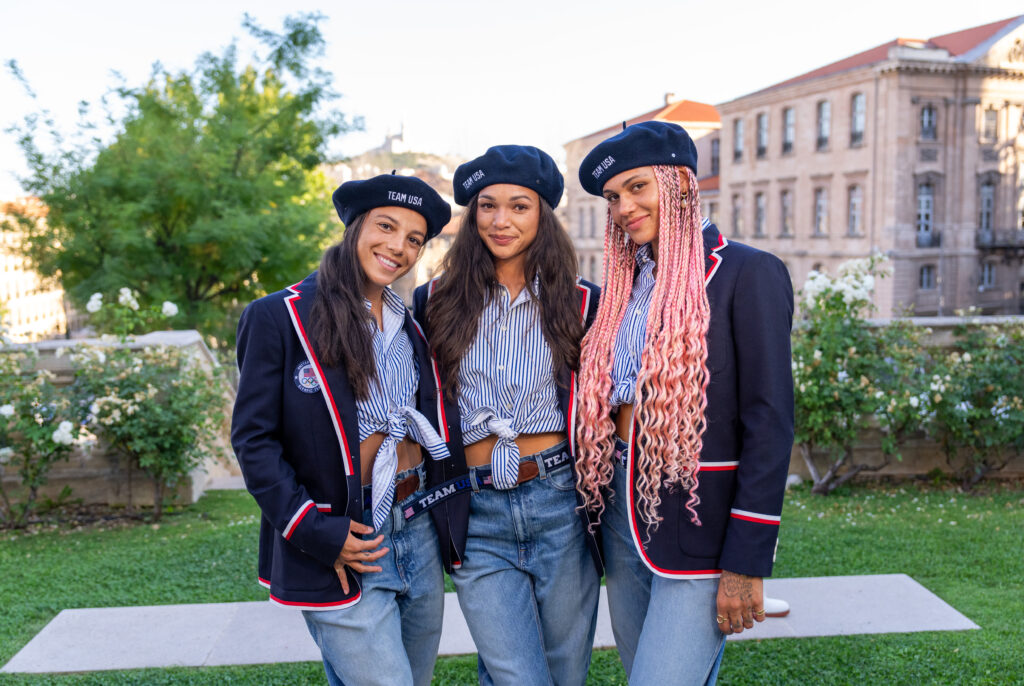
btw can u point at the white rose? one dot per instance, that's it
(914, 402)
(7, 410)
(65, 426)
(169, 309)
(93, 306)
(127, 298)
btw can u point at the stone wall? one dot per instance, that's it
(97, 476)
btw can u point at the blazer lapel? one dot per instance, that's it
(714, 241)
(334, 386)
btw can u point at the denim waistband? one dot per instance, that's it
(419, 470)
(620, 452)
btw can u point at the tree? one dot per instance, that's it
(209, 194)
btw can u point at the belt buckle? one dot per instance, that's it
(528, 469)
(406, 487)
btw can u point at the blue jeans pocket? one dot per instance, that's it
(562, 479)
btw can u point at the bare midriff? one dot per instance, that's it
(479, 453)
(624, 421)
(408, 450)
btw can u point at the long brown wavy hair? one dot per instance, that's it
(341, 321)
(469, 280)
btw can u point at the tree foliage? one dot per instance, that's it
(209, 194)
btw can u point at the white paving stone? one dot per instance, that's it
(260, 632)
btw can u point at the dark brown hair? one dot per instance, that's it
(468, 281)
(341, 321)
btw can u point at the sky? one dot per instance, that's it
(458, 76)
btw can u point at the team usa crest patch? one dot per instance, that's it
(305, 378)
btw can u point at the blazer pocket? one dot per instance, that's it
(715, 493)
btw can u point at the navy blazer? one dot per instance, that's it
(749, 434)
(296, 435)
(587, 295)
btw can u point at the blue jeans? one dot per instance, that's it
(664, 628)
(390, 636)
(527, 585)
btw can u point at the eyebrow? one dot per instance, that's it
(514, 197)
(390, 219)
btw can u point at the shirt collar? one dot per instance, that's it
(643, 255)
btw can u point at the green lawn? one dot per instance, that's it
(968, 549)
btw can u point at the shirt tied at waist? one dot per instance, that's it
(505, 454)
(401, 422)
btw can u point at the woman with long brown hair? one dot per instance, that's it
(334, 429)
(505, 320)
(686, 411)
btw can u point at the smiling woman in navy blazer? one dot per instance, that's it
(686, 420)
(335, 430)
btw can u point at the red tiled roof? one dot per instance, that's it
(688, 110)
(683, 110)
(956, 43)
(959, 42)
(708, 183)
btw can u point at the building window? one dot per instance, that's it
(929, 118)
(926, 278)
(737, 140)
(737, 215)
(925, 215)
(579, 222)
(824, 124)
(759, 212)
(762, 135)
(857, 115)
(820, 212)
(715, 155)
(988, 276)
(788, 130)
(786, 212)
(986, 203)
(988, 125)
(855, 211)
(593, 222)
(713, 212)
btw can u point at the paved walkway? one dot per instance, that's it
(260, 632)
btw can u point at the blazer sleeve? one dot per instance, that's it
(256, 430)
(762, 317)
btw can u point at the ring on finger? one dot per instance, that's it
(722, 619)
(759, 613)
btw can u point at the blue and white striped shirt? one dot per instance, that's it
(389, 407)
(506, 381)
(632, 333)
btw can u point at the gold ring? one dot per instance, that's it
(760, 613)
(721, 619)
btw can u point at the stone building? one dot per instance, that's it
(585, 214)
(914, 148)
(32, 309)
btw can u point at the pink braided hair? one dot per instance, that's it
(671, 394)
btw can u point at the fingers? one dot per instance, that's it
(355, 527)
(342, 577)
(364, 556)
(758, 613)
(363, 569)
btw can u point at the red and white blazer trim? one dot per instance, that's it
(325, 390)
(728, 466)
(317, 606)
(323, 507)
(263, 582)
(297, 517)
(755, 517)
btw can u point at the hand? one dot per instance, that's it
(356, 553)
(740, 602)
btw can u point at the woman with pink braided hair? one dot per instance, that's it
(685, 420)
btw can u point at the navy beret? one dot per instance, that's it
(645, 144)
(522, 165)
(353, 198)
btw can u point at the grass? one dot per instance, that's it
(968, 549)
